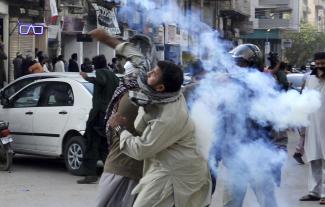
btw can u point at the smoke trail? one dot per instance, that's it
(228, 106)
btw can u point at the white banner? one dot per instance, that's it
(54, 9)
(106, 19)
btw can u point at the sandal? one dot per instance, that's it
(310, 198)
(322, 201)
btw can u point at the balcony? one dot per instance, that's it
(236, 8)
(273, 23)
(274, 2)
(320, 3)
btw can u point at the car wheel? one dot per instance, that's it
(73, 154)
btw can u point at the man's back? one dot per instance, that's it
(104, 87)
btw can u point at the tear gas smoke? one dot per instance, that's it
(228, 105)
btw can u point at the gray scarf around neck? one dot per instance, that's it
(147, 95)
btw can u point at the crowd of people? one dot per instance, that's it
(42, 63)
(154, 161)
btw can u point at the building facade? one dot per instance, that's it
(271, 19)
(4, 33)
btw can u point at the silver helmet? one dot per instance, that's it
(248, 53)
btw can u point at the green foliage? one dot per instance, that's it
(304, 44)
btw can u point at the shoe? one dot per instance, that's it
(298, 157)
(309, 198)
(322, 201)
(88, 180)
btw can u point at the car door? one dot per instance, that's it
(19, 113)
(51, 118)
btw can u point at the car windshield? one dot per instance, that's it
(89, 87)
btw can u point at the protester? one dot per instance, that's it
(3, 57)
(113, 65)
(174, 173)
(27, 62)
(87, 66)
(300, 151)
(73, 63)
(60, 64)
(36, 67)
(18, 62)
(315, 142)
(121, 172)
(105, 83)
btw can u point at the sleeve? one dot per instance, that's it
(138, 60)
(156, 137)
(100, 79)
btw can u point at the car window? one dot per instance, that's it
(58, 94)
(11, 90)
(29, 97)
(15, 87)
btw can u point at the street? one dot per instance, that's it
(39, 182)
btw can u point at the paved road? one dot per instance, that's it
(43, 182)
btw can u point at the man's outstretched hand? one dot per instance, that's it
(103, 36)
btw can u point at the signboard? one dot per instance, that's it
(31, 29)
(106, 19)
(53, 31)
(158, 36)
(72, 24)
(172, 34)
(286, 43)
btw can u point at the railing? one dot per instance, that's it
(274, 2)
(273, 23)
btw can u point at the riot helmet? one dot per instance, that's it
(248, 55)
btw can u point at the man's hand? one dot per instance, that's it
(117, 120)
(102, 35)
(84, 75)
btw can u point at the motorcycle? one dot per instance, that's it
(6, 152)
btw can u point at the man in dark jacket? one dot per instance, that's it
(73, 63)
(18, 62)
(105, 84)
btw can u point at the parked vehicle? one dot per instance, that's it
(296, 80)
(48, 117)
(6, 152)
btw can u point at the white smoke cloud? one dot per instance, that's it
(225, 101)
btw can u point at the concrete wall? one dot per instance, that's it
(4, 15)
(85, 49)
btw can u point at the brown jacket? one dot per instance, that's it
(117, 162)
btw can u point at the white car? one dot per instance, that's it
(48, 117)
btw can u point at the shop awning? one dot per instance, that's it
(263, 34)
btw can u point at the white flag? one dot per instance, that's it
(54, 10)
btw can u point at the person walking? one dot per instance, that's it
(87, 66)
(105, 83)
(18, 62)
(315, 142)
(174, 173)
(60, 64)
(73, 63)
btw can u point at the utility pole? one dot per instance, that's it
(59, 49)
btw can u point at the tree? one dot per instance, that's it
(304, 44)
